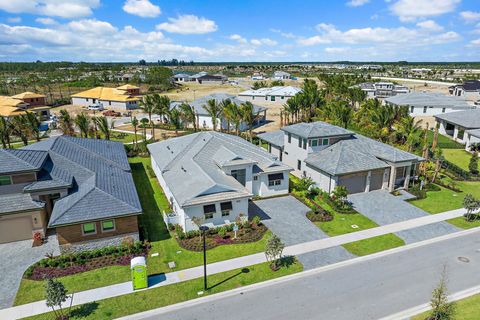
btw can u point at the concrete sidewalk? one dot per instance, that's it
(96, 294)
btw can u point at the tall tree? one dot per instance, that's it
(5, 132)
(135, 126)
(410, 132)
(187, 114)
(22, 128)
(214, 110)
(143, 123)
(162, 106)
(34, 122)
(175, 120)
(82, 120)
(148, 106)
(248, 116)
(233, 114)
(65, 123)
(103, 127)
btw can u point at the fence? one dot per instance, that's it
(171, 217)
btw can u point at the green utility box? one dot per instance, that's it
(138, 265)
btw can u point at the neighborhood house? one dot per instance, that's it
(123, 98)
(381, 89)
(81, 188)
(211, 176)
(470, 89)
(463, 127)
(274, 95)
(20, 103)
(332, 156)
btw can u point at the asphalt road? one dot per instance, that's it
(366, 290)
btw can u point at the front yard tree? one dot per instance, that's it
(273, 251)
(55, 295)
(473, 165)
(438, 163)
(471, 204)
(305, 183)
(441, 308)
(340, 194)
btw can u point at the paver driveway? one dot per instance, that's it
(15, 258)
(285, 217)
(385, 208)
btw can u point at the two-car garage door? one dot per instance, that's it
(357, 182)
(14, 229)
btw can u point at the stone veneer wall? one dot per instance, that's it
(98, 243)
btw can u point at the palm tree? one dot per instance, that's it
(83, 123)
(343, 114)
(248, 116)
(144, 122)
(22, 128)
(135, 125)
(34, 123)
(5, 131)
(233, 114)
(438, 163)
(311, 98)
(175, 119)
(103, 126)
(292, 108)
(162, 105)
(383, 118)
(187, 114)
(214, 110)
(223, 106)
(148, 106)
(66, 123)
(410, 132)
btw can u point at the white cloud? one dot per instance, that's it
(92, 26)
(46, 21)
(470, 16)
(188, 24)
(410, 10)
(14, 19)
(474, 43)
(142, 8)
(357, 3)
(337, 49)
(237, 37)
(263, 42)
(64, 8)
(430, 25)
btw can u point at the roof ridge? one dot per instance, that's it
(73, 203)
(11, 153)
(183, 151)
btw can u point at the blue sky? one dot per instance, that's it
(247, 30)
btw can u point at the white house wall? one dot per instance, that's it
(430, 111)
(471, 140)
(267, 191)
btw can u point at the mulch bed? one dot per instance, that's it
(244, 235)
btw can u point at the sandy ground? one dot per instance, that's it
(160, 134)
(192, 91)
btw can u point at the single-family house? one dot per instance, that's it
(122, 98)
(381, 89)
(429, 103)
(332, 156)
(462, 126)
(272, 95)
(281, 75)
(469, 89)
(182, 77)
(22, 102)
(212, 176)
(204, 119)
(81, 188)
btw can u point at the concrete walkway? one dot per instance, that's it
(222, 266)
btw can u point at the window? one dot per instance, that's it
(289, 138)
(299, 165)
(209, 210)
(443, 110)
(239, 175)
(325, 142)
(108, 225)
(424, 109)
(282, 97)
(275, 179)
(272, 98)
(253, 97)
(299, 142)
(304, 143)
(5, 180)
(89, 228)
(255, 178)
(412, 108)
(226, 207)
(110, 103)
(313, 143)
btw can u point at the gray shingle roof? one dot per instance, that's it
(434, 99)
(357, 153)
(275, 137)
(475, 132)
(198, 104)
(468, 119)
(99, 171)
(18, 160)
(191, 164)
(316, 129)
(18, 202)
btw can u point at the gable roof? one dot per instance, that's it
(429, 99)
(288, 91)
(275, 138)
(468, 119)
(191, 165)
(28, 95)
(18, 202)
(18, 160)
(98, 173)
(11, 106)
(105, 93)
(474, 132)
(198, 104)
(316, 129)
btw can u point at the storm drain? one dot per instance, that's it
(463, 259)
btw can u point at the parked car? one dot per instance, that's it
(112, 113)
(96, 107)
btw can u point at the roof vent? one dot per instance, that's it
(168, 147)
(184, 169)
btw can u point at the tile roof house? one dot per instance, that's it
(81, 188)
(204, 120)
(429, 103)
(462, 126)
(212, 175)
(470, 90)
(123, 98)
(23, 102)
(381, 89)
(333, 156)
(275, 95)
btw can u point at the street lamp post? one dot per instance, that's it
(204, 229)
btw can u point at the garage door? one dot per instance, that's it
(376, 180)
(353, 183)
(14, 229)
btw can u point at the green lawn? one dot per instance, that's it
(466, 309)
(342, 224)
(124, 137)
(444, 142)
(154, 298)
(153, 203)
(459, 157)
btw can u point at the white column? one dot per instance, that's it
(393, 173)
(407, 177)
(369, 177)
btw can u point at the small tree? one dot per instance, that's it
(441, 308)
(473, 165)
(55, 295)
(339, 195)
(304, 184)
(471, 204)
(273, 251)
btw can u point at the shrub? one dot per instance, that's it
(150, 172)
(180, 233)
(171, 227)
(304, 184)
(473, 165)
(222, 232)
(256, 220)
